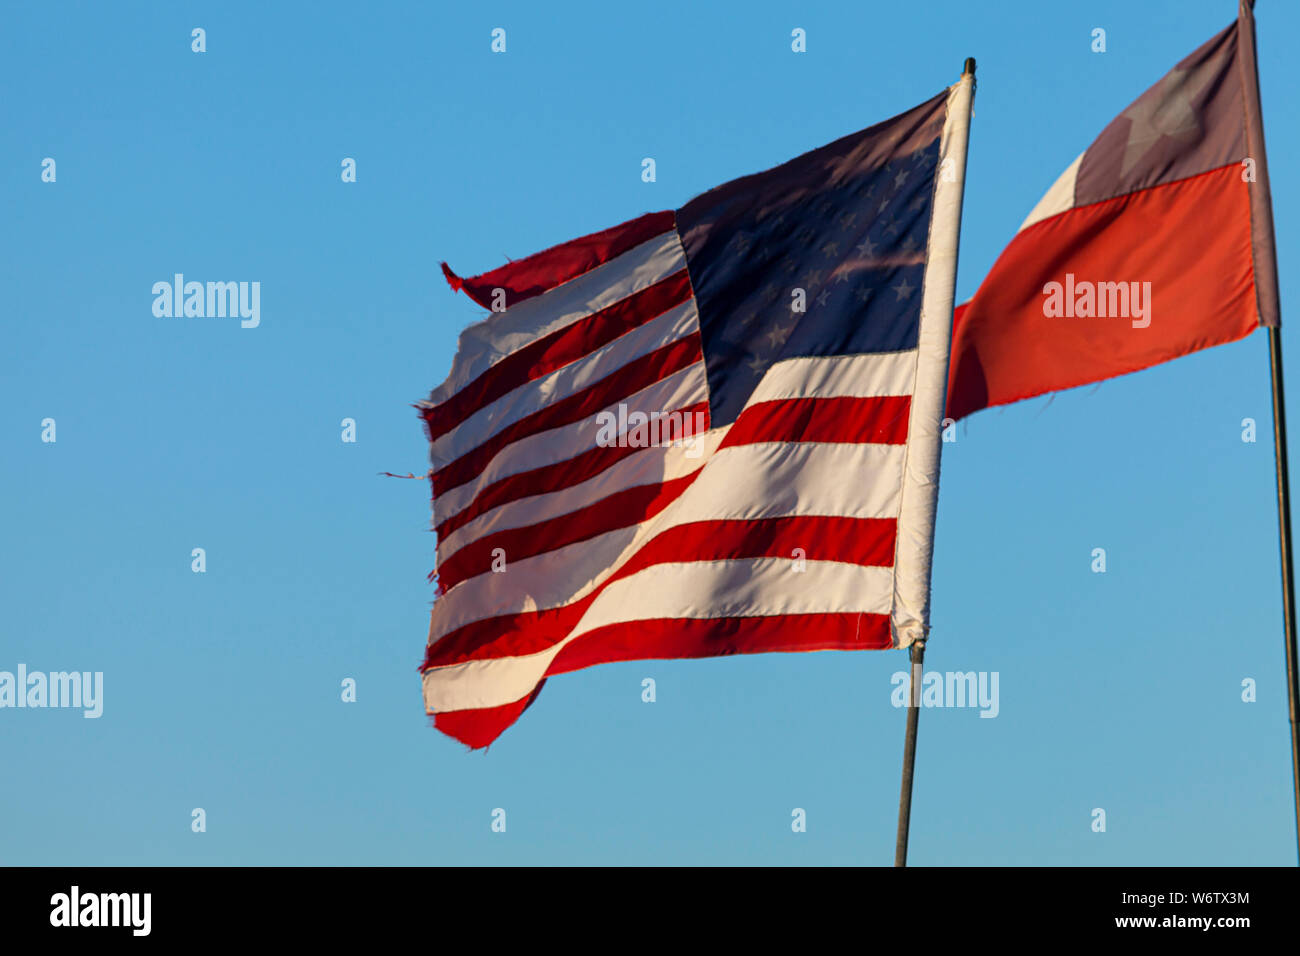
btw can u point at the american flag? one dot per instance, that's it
(798, 321)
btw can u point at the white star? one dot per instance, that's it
(1166, 110)
(903, 289)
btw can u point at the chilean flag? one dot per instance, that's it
(1157, 241)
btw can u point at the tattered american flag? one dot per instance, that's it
(707, 431)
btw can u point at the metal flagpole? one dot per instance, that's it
(1288, 572)
(909, 754)
(1264, 254)
(948, 255)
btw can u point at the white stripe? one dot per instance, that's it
(739, 587)
(910, 620)
(677, 323)
(685, 387)
(748, 587)
(842, 376)
(485, 343)
(742, 482)
(1057, 199)
(649, 466)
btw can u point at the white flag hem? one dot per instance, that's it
(910, 617)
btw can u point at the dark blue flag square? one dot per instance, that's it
(847, 224)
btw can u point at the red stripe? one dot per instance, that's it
(1190, 239)
(880, 420)
(864, 541)
(715, 637)
(544, 480)
(620, 510)
(680, 638)
(556, 350)
(478, 728)
(618, 385)
(543, 271)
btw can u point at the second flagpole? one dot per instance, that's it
(1270, 311)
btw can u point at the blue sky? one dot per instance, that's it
(222, 690)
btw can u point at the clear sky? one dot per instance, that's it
(1120, 691)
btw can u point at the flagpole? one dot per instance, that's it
(1288, 571)
(909, 753)
(1264, 255)
(942, 257)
